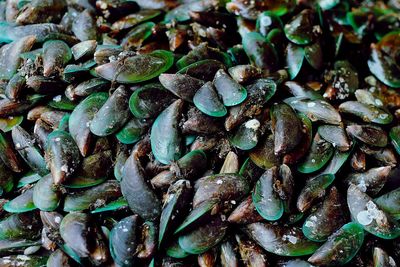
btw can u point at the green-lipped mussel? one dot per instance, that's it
(199, 133)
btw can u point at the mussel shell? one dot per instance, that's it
(141, 198)
(138, 68)
(77, 232)
(230, 91)
(28, 178)
(149, 100)
(260, 51)
(84, 26)
(133, 130)
(245, 213)
(62, 155)
(329, 217)
(40, 31)
(381, 258)
(302, 149)
(203, 52)
(9, 155)
(17, 246)
(135, 37)
(92, 198)
(207, 101)
(244, 73)
(287, 128)
(204, 237)
(367, 113)
(295, 55)
(56, 55)
(134, 19)
(46, 196)
(104, 52)
(190, 165)
(27, 149)
(175, 251)
(231, 163)
(11, 108)
(15, 87)
(91, 171)
(198, 215)
(332, 253)
(314, 56)
(299, 29)
(336, 135)
(346, 78)
(14, 226)
(259, 92)
(371, 181)
(316, 110)
(384, 67)
(368, 134)
(7, 123)
(83, 49)
(337, 162)
(374, 220)
(174, 207)
(263, 155)
(58, 259)
(313, 189)
(6, 178)
(294, 263)
(228, 254)
(149, 240)
(40, 11)
(74, 73)
(267, 21)
(88, 87)
(118, 204)
(21, 203)
(23, 260)
(10, 60)
(250, 170)
(182, 85)
(223, 187)
(389, 203)
(246, 136)
(41, 131)
(165, 137)
(120, 159)
(394, 135)
(319, 154)
(204, 69)
(265, 199)
(199, 123)
(124, 240)
(112, 115)
(251, 254)
(299, 90)
(81, 117)
(280, 240)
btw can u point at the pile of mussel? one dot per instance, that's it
(199, 133)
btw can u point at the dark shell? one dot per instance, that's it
(287, 128)
(222, 187)
(332, 253)
(62, 155)
(182, 85)
(204, 237)
(124, 240)
(280, 240)
(113, 114)
(141, 198)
